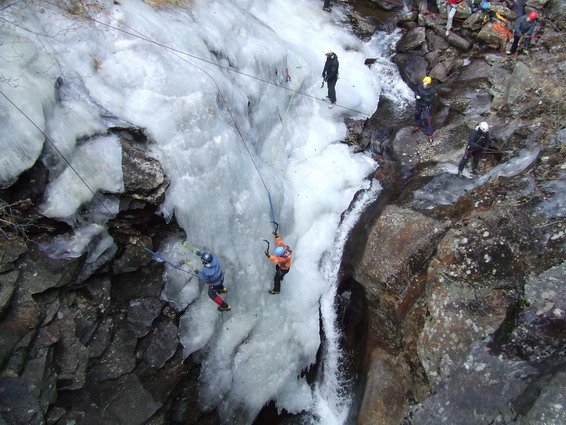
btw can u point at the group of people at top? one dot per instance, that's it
(212, 274)
(479, 140)
(525, 26)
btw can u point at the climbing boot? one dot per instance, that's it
(222, 291)
(430, 139)
(416, 128)
(273, 292)
(224, 307)
(331, 105)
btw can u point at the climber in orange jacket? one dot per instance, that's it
(282, 259)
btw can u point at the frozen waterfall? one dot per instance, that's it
(225, 139)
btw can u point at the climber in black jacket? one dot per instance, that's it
(330, 76)
(424, 98)
(479, 141)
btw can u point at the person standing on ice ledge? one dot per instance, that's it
(330, 76)
(282, 260)
(213, 276)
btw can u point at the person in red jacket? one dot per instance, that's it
(282, 259)
(451, 8)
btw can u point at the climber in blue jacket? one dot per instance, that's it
(213, 276)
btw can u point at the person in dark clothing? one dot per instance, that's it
(525, 26)
(282, 258)
(213, 276)
(330, 76)
(326, 6)
(424, 98)
(479, 140)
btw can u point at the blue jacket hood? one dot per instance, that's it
(212, 274)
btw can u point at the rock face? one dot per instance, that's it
(411, 40)
(84, 342)
(399, 243)
(460, 275)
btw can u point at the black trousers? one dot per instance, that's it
(515, 43)
(279, 275)
(331, 90)
(216, 288)
(475, 155)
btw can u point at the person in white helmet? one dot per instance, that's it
(479, 140)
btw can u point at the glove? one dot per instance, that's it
(418, 97)
(195, 271)
(267, 254)
(275, 233)
(197, 252)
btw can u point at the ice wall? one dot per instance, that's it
(227, 140)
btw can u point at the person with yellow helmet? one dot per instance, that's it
(424, 98)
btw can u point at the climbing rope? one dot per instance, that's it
(162, 259)
(59, 152)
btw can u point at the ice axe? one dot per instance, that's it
(266, 249)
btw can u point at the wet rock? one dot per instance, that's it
(408, 17)
(101, 338)
(493, 38)
(504, 11)
(399, 243)
(412, 67)
(144, 178)
(388, 381)
(540, 331)
(483, 389)
(435, 42)
(7, 286)
(126, 403)
(17, 405)
(163, 345)
(554, 205)
(471, 286)
(38, 372)
(40, 273)
(474, 22)
(411, 40)
(10, 251)
(118, 359)
(17, 329)
(442, 69)
(356, 135)
(511, 91)
(141, 314)
(71, 356)
(552, 41)
(454, 39)
(549, 408)
(536, 4)
(134, 256)
(388, 4)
